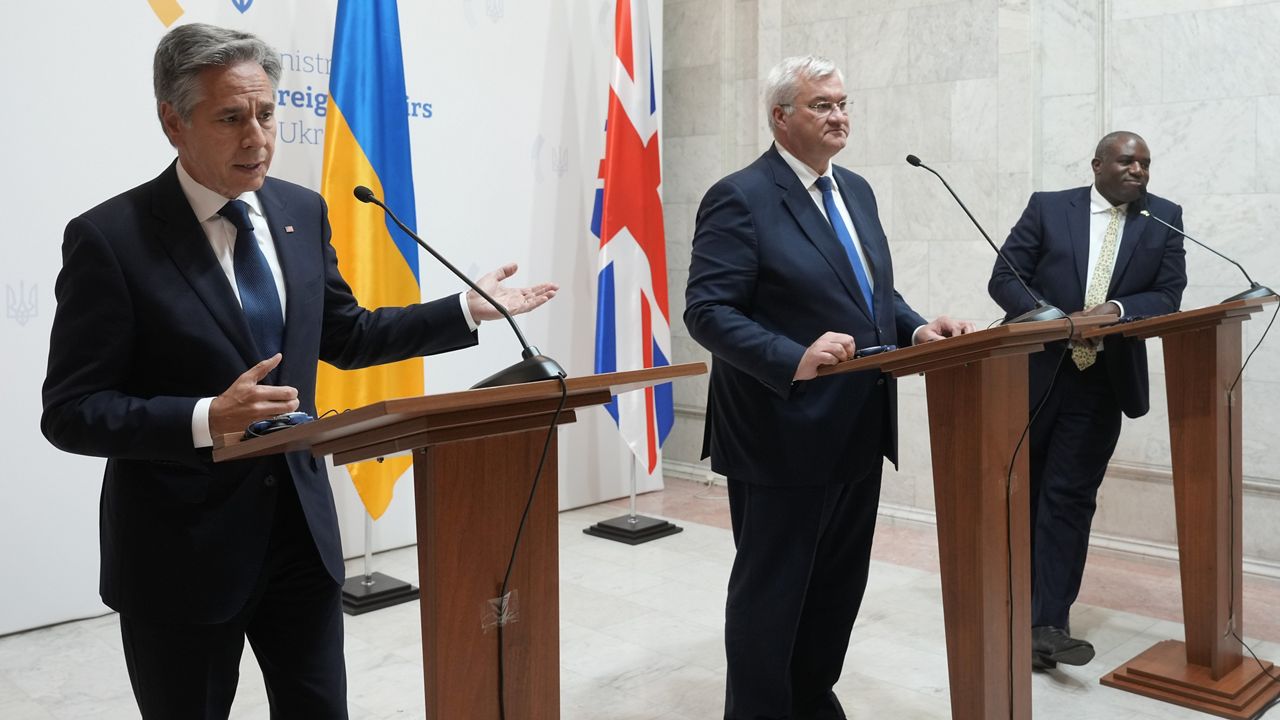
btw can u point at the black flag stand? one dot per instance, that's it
(373, 590)
(631, 528)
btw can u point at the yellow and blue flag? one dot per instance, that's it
(366, 142)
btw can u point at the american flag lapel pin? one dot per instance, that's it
(288, 228)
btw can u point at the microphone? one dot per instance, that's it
(1255, 290)
(1042, 310)
(534, 366)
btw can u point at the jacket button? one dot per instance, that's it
(269, 481)
(879, 381)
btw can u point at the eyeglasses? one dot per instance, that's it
(824, 108)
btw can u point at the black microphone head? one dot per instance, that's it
(913, 160)
(363, 194)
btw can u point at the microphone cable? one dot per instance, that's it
(1008, 496)
(1231, 514)
(503, 598)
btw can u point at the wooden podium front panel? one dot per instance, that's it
(977, 412)
(470, 496)
(1207, 486)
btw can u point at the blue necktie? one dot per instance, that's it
(846, 239)
(258, 294)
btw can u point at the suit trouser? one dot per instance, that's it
(293, 621)
(1072, 440)
(794, 592)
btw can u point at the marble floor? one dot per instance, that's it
(641, 634)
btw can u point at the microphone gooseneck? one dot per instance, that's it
(1255, 290)
(534, 366)
(1042, 309)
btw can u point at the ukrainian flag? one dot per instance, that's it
(366, 142)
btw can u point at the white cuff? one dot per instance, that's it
(466, 312)
(201, 437)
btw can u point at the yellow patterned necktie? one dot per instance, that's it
(1096, 294)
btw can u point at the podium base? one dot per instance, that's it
(1163, 673)
(360, 596)
(633, 530)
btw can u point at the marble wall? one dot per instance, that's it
(1004, 97)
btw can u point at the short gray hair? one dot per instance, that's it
(188, 50)
(783, 84)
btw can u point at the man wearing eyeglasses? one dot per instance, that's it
(791, 272)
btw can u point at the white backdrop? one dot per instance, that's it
(504, 167)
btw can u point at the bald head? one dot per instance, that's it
(1121, 167)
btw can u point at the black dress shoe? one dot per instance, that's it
(1053, 645)
(1041, 662)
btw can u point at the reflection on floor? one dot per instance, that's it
(641, 634)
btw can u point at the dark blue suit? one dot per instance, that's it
(147, 324)
(1074, 434)
(768, 276)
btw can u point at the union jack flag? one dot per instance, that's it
(633, 318)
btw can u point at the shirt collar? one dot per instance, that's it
(1099, 204)
(806, 174)
(206, 203)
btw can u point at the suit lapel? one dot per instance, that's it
(862, 228)
(188, 247)
(1134, 226)
(815, 226)
(1078, 232)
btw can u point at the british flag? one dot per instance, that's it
(633, 317)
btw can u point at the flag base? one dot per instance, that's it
(362, 594)
(633, 529)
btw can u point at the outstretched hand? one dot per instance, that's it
(246, 401)
(515, 300)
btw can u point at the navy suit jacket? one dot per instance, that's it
(768, 277)
(147, 324)
(1050, 248)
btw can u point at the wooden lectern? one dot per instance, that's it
(474, 456)
(977, 393)
(1207, 672)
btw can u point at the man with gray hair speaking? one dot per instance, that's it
(790, 272)
(188, 307)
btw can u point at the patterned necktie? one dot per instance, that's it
(846, 239)
(258, 295)
(1096, 294)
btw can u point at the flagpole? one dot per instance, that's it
(633, 529)
(371, 590)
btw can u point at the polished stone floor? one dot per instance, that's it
(641, 634)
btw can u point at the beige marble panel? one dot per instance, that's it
(1069, 134)
(907, 119)
(692, 101)
(1014, 27)
(1269, 144)
(1124, 9)
(1243, 227)
(699, 168)
(1015, 109)
(1134, 508)
(879, 52)
(1261, 528)
(1136, 67)
(1261, 416)
(953, 41)
(975, 120)
(677, 222)
(826, 38)
(958, 275)
(746, 19)
(911, 273)
(1014, 190)
(801, 12)
(1222, 53)
(924, 210)
(1068, 41)
(693, 32)
(1202, 147)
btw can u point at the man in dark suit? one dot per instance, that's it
(790, 272)
(188, 307)
(1087, 251)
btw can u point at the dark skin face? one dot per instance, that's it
(1122, 169)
